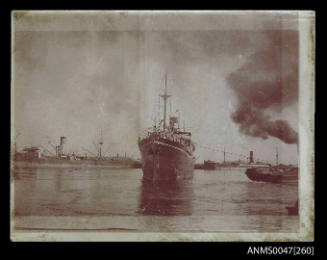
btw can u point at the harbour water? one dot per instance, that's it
(117, 199)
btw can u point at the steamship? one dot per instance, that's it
(166, 150)
(273, 174)
(33, 157)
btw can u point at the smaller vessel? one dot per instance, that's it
(274, 174)
(209, 165)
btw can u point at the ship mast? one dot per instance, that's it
(100, 145)
(276, 155)
(165, 96)
(224, 156)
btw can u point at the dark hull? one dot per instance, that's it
(62, 163)
(274, 177)
(209, 166)
(165, 161)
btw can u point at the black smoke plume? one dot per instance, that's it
(267, 81)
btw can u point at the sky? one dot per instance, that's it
(72, 78)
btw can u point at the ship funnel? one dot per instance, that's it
(251, 156)
(62, 145)
(172, 121)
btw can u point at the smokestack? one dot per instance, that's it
(251, 156)
(62, 145)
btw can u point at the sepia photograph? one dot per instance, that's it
(162, 125)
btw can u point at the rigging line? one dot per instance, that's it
(232, 153)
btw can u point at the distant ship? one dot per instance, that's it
(67, 162)
(33, 157)
(167, 152)
(209, 165)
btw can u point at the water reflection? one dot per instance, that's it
(215, 201)
(166, 198)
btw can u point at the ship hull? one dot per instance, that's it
(64, 163)
(163, 161)
(261, 175)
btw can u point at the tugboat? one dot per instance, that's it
(274, 174)
(166, 150)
